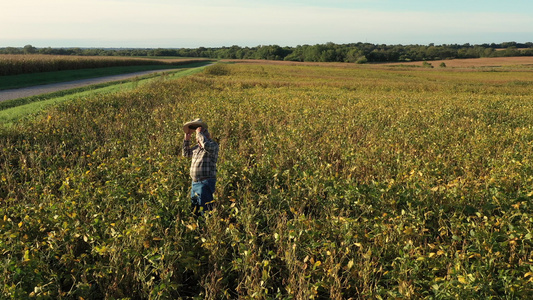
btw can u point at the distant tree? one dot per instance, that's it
(362, 60)
(511, 51)
(297, 54)
(93, 52)
(508, 44)
(313, 53)
(329, 52)
(48, 50)
(488, 52)
(77, 51)
(163, 52)
(354, 55)
(29, 49)
(13, 50)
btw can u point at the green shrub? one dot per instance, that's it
(217, 70)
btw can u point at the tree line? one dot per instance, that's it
(329, 52)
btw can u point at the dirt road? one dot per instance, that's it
(49, 88)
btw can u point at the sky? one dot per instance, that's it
(249, 23)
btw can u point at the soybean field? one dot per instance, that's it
(335, 181)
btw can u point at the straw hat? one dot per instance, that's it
(194, 124)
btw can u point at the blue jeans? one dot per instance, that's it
(202, 195)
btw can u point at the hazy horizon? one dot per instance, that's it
(215, 23)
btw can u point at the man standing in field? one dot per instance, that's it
(203, 167)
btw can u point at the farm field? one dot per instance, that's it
(524, 62)
(19, 71)
(334, 181)
(14, 64)
(476, 64)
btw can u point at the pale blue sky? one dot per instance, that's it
(215, 23)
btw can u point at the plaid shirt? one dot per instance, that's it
(204, 157)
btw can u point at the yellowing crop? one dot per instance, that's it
(334, 181)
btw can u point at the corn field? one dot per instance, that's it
(23, 64)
